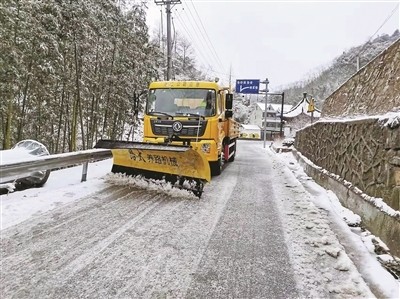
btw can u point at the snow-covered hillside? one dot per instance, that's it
(324, 81)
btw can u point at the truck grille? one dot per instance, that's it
(189, 127)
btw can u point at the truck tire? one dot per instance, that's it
(216, 166)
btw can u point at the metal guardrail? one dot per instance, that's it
(12, 171)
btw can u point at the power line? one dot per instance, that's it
(380, 27)
(211, 54)
(384, 22)
(168, 4)
(195, 44)
(190, 36)
(200, 41)
(208, 67)
(208, 38)
(207, 56)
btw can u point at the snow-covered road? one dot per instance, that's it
(255, 233)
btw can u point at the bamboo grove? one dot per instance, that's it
(72, 71)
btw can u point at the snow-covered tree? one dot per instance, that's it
(72, 71)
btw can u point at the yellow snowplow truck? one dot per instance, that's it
(189, 133)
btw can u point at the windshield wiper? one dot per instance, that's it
(159, 113)
(190, 114)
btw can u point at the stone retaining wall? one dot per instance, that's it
(364, 152)
(380, 223)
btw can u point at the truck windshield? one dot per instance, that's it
(182, 101)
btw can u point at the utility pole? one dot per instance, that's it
(168, 4)
(310, 107)
(230, 77)
(266, 82)
(282, 95)
(281, 129)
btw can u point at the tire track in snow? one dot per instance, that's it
(89, 255)
(43, 256)
(47, 223)
(64, 212)
(158, 255)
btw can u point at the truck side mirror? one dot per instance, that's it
(229, 101)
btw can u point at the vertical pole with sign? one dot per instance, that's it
(281, 128)
(265, 110)
(311, 108)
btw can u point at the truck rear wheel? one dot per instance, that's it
(232, 158)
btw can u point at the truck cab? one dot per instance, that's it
(195, 113)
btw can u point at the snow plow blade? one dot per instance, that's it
(180, 165)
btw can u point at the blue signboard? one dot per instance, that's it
(247, 86)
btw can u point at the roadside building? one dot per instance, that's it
(250, 132)
(298, 117)
(273, 125)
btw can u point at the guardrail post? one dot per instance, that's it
(84, 171)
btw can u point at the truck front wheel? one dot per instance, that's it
(216, 166)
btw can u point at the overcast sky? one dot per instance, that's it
(279, 40)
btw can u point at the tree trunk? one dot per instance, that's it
(74, 124)
(109, 90)
(10, 110)
(38, 121)
(75, 107)
(66, 126)
(91, 122)
(7, 135)
(61, 105)
(24, 100)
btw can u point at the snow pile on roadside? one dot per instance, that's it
(320, 261)
(315, 201)
(63, 187)
(377, 202)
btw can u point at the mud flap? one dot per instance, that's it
(180, 165)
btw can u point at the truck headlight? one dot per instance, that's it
(206, 148)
